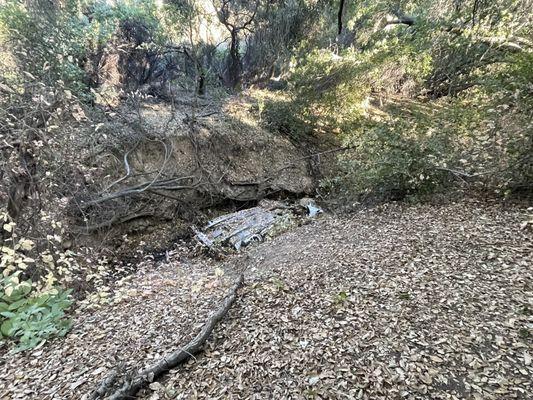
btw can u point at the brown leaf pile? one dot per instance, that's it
(419, 302)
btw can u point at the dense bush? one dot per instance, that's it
(47, 44)
(437, 102)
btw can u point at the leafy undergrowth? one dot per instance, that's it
(397, 301)
(32, 305)
(31, 318)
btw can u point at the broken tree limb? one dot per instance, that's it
(165, 184)
(126, 167)
(104, 385)
(290, 165)
(149, 374)
(116, 220)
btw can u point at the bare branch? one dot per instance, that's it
(149, 374)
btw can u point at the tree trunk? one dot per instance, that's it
(234, 64)
(339, 17)
(200, 83)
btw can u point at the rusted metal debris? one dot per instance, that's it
(243, 227)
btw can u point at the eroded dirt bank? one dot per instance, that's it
(173, 165)
(395, 302)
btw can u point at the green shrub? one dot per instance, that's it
(53, 43)
(106, 18)
(389, 164)
(423, 107)
(281, 115)
(48, 44)
(31, 318)
(31, 311)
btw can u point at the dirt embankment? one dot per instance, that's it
(165, 165)
(232, 156)
(162, 154)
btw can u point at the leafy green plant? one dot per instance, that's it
(278, 284)
(340, 298)
(31, 318)
(524, 333)
(404, 296)
(48, 44)
(30, 312)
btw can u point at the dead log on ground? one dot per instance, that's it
(151, 373)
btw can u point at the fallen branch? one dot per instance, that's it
(165, 184)
(126, 167)
(290, 165)
(104, 385)
(116, 220)
(149, 374)
(463, 174)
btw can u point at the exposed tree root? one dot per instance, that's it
(133, 385)
(116, 220)
(104, 386)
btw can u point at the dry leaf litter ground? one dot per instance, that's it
(419, 302)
